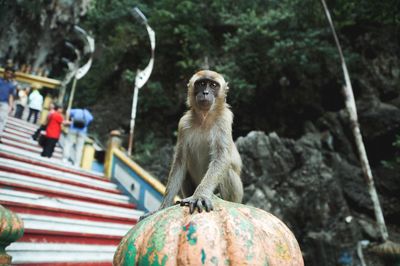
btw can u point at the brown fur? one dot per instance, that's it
(206, 157)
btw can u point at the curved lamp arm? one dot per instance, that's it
(142, 76)
(90, 48)
(71, 73)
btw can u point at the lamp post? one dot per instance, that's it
(72, 69)
(80, 72)
(141, 75)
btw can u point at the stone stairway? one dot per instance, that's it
(71, 216)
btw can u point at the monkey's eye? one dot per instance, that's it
(203, 83)
(213, 84)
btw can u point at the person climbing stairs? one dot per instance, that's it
(71, 216)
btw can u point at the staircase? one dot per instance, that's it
(71, 216)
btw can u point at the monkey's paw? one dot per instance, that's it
(198, 203)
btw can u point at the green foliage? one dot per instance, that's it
(148, 149)
(129, 76)
(255, 44)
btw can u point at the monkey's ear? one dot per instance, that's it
(227, 86)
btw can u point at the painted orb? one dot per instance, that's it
(11, 229)
(231, 234)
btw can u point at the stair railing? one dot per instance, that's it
(143, 189)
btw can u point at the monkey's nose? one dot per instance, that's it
(205, 92)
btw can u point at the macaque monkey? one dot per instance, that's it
(206, 158)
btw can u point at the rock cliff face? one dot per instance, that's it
(33, 33)
(315, 184)
(317, 190)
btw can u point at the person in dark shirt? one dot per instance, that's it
(7, 92)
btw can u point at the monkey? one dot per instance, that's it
(206, 158)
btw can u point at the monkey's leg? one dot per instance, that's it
(231, 187)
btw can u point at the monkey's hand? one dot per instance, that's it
(197, 202)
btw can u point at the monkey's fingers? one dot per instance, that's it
(208, 205)
(192, 206)
(199, 206)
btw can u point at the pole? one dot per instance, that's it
(79, 72)
(352, 110)
(133, 117)
(73, 68)
(71, 97)
(141, 75)
(61, 95)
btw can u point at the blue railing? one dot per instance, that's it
(143, 189)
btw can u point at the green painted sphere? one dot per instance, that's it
(232, 234)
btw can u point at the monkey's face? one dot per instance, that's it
(206, 91)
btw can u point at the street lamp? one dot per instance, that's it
(141, 75)
(72, 69)
(80, 72)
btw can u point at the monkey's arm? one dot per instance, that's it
(217, 169)
(176, 176)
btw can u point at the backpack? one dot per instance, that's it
(79, 122)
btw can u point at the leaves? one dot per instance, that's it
(255, 44)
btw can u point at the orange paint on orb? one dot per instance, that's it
(232, 234)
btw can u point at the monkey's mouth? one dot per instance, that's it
(204, 100)
(204, 103)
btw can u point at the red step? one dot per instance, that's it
(59, 212)
(34, 149)
(19, 158)
(11, 131)
(28, 142)
(64, 195)
(34, 174)
(40, 236)
(25, 131)
(72, 217)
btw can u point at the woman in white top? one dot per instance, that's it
(35, 102)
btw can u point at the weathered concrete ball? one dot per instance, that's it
(232, 234)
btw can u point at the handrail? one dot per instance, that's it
(144, 190)
(28, 78)
(140, 171)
